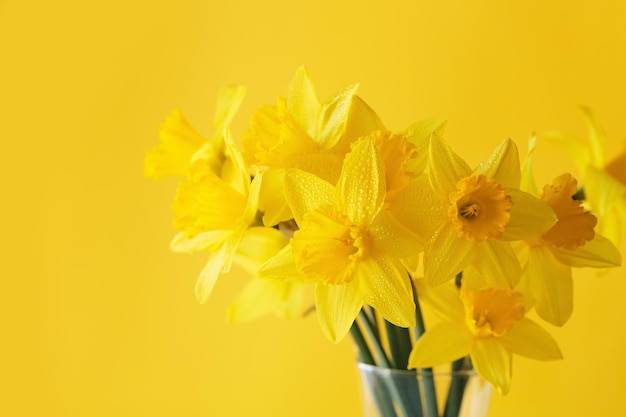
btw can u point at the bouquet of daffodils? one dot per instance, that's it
(383, 224)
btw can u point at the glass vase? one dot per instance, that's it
(423, 393)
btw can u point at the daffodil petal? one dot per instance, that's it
(361, 189)
(445, 167)
(294, 137)
(442, 343)
(527, 182)
(572, 145)
(281, 266)
(413, 265)
(291, 307)
(210, 240)
(263, 136)
(502, 165)
(446, 255)
(528, 339)
(530, 216)
(612, 221)
(252, 204)
(597, 137)
(419, 135)
(272, 200)
(257, 246)
(178, 142)
(231, 244)
(302, 102)
(213, 154)
(337, 307)
(206, 202)
(211, 271)
(492, 361)
(474, 280)
(616, 167)
(602, 190)
(419, 209)
(306, 192)
(496, 262)
(235, 171)
(229, 100)
(265, 296)
(331, 121)
(391, 238)
(550, 285)
(361, 121)
(444, 299)
(386, 286)
(257, 299)
(325, 165)
(599, 252)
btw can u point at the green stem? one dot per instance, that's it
(365, 356)
(374, 339)
(395, 396)
(383, 402)
(419, 320)
(428, 381)
(370, 381)
(406, 345)
(394, 345)
(370, 313)
(456, 389)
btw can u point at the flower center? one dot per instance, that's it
(327, 247)
(492, 312)
(574, 226)
(479, 208)
(470, 211)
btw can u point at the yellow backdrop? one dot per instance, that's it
(100, 319)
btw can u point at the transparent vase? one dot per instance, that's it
(423, 393)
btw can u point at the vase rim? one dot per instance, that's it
(406, 372)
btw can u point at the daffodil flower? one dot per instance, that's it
(301, 132)
(489, 325)
(213, 214)
(347, 244)
(180, 143)
(604, 183)
(572, 242)
(472, 216)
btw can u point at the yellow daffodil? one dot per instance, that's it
(301, 132)
(213, 214)
(571, 242)
(472, 215)
(282, 298)
(347, 244)
(489, 325)
(604, 183)
(180, 143)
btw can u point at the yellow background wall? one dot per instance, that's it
(98, 318)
